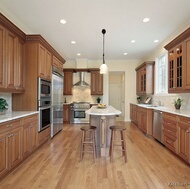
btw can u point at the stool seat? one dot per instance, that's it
(121, 129)
(117, 128)
(89, 141)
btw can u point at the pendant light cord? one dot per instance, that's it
(103, 32)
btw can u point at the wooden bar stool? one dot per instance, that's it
(88, 140)
(115, 129)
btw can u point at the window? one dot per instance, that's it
(161, 73)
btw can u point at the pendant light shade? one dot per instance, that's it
(103, 67)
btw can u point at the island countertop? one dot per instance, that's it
(109, 110)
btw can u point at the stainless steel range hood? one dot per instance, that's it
(81, 81)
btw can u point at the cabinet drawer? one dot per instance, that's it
(30, 119)
(170, 143)
(167, 116)
(144, 110)
(8, 126)
(170, 125)
(185, 120)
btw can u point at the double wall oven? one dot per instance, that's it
(78, 114)
(44, 104)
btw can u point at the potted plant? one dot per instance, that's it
(98, 100)
(177, 103)
(139, 98)
(3, 106)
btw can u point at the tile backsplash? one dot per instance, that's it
(8, 98)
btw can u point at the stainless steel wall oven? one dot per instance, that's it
(44, 104)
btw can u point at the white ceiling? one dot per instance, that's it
(122, 20)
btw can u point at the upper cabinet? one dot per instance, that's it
(57, 63)
(145, 78)
(68, 81)
(11, 57)
(179, 63)
(96, 82)
(44, 62)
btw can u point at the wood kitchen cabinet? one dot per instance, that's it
(66, 113)
(68, 82)
(179, 63)
(44, 62)
(57, 63)
(145, 120)
(11, 61)
(133, 113)
(145, 78)
(10, 146)
(96, 82)
(30, 135)
(184, 138)
(170, 133)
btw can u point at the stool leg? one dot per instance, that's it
(122, 142)
(82, 145)
(111, 150)
(124, 146)
(93, 145)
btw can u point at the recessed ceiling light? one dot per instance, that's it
(62, 21)
(146, 19)
(78, 54)
(156, 41)
(133, 41)
(73, 42)
(125, 54)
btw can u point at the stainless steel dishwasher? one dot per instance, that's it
(157, 126)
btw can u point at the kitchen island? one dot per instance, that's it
(103, 118)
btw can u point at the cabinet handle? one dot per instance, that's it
(10, 135)
(188, 131)
(169, 123)
(168, 141)
(188, 122)
(169, 131)
(9, 125)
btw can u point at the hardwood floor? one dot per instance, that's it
(56, 165)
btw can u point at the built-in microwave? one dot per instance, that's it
(44, 88)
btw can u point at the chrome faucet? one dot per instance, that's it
(159, 102)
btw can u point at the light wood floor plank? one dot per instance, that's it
(56, 165)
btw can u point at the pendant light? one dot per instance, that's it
(103, 67)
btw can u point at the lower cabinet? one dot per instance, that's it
(133, 113)
(10, 146)
(66, 113)
(18, 138)
(176, 132)
(30, 137)
(44, 135)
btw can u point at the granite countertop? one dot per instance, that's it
(15, 115)
(109, 110)
(181, 112)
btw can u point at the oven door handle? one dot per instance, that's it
(44, 107)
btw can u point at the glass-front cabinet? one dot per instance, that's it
(175, 69)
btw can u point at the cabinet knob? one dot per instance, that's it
(188, 131)
(10, 135)
(9, 125)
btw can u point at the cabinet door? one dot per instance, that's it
(33, 136)
(175, 69)
(184, 138)
(18, 67)
(14, 146)
(48, 63)
(41, 61)
(4, 154)
(66, 113)
(2, 58)
(68, 83)
(187, 64)
(11, 52)
(26, 144)
(96, 83)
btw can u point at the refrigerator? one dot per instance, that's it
(57, 102)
